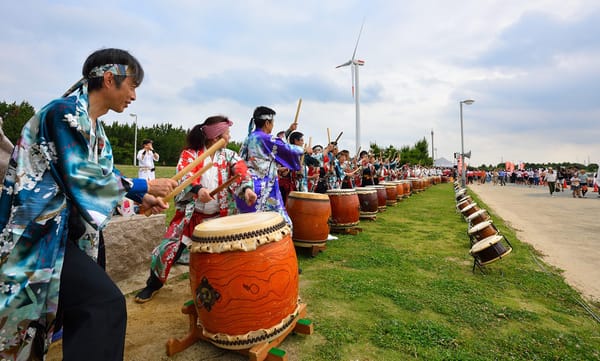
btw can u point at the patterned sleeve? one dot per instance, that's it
(238, 167)
(92, 185)
(288, 155)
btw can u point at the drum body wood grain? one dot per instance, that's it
(482, 230)
(309, 213)
(345, 208)
(244, 278)
(391, 193)
(381, 197)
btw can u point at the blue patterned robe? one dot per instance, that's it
(262, 152)
(59, 165)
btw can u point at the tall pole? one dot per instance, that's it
(134, 138)
(356, 99)
(462, 143)
(432, 152)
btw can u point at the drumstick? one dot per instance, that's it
(338, 137)
(328, 137)
(179, 188)
(224, 185)
(220, 144)
(297, 111)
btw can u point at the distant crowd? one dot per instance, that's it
(577, 180)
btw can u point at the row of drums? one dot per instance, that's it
(315, 215)
(244, 270)
(487, 244)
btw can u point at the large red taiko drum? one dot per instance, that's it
(244, 279)
(391, 192)
(369, 203)
(345, 208)
(309, 213)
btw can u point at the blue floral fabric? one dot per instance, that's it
(262, 153)
(61, 168)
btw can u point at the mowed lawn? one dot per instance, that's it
(403, 289)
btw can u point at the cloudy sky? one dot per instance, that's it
(532, 67)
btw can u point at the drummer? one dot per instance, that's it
(195, 204)
(263, 152)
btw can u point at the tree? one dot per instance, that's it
(14, 117)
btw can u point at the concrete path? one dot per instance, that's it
(564, 229)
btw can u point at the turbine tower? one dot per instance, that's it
(354, 64)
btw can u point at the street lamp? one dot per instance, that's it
(462, 142)
(134, 137)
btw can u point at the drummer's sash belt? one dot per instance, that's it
(147, 169)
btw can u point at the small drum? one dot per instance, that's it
(391, 193)
(244, 279)
(481, 231)
(468, 210)
(463, 203)
(489, 250)
(309, 213)
(381, 197)
(460, 194)
(478, 217)
(369, 203)
(345, 208)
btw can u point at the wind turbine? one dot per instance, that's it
(354, 64)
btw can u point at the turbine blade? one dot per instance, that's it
(358, 39)
(345, 64)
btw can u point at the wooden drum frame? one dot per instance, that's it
(482, 231)
(381, 197)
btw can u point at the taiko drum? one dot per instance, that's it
(478, 217)
(381, 197)
(399, 190)
(345, 208)
(407, 188)
(463, 203)
(369, 202)
(470, 209)
(490, 249)
(482, 230)
(309, 213)
(244, 279)
(391, 193)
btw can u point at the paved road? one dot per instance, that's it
(565, 229)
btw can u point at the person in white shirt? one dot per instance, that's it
(551, 180)
(146, 158)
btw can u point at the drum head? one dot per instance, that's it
(461, 192)
(341, 191)
(308, 195)
(485, 243)
(365, 190)
(237, 224)
(464, 201)
(479, 226)
(468, 207)
(476, 214)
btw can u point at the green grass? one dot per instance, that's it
(403, 289)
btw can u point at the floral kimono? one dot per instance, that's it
(182, 225)
(60, 172)
(262, 152)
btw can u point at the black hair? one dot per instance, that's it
(294, 137)
(196, 139)
(258, 112)
(112, 56)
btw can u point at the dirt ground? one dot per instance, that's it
(564, 229)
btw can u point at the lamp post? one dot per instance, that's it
(134, 137)
(462, 142)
